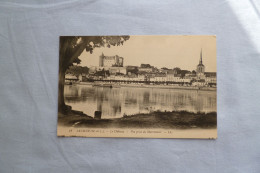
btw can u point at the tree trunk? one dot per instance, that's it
(66, 58)
(62, 107)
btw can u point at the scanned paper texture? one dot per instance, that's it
(155, 86)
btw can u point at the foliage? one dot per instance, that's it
(146, 66)
(102, 73)
(183, 72)
(165, 68)
(132, 69)
(177, 70)
(71, 47)
(77, 70)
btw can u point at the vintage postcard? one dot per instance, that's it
(153, 86)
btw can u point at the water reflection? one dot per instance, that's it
(116, 102)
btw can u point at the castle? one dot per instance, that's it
(110, 61)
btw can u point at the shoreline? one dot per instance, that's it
(165, 120)
(114, 85)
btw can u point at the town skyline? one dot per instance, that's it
(176, 52)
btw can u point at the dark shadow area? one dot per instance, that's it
(161, 120)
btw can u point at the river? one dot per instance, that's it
(115, 102)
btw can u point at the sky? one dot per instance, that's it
(160, 51)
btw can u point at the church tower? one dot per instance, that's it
(101, 60)
(200, 66)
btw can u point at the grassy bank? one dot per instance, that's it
(167, 120)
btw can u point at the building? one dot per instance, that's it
(146, 70)
(110, 61)
(70, 78)
(200, 68)
(92, 70)
(173, 77)
(211, 78)
(116, 70)
(204, 78)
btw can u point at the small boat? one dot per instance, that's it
(108, 85)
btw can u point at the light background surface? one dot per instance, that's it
(29, 37)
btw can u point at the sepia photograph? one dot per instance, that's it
(138, 86)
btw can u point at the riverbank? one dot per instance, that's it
(115, 85)
(165, 120)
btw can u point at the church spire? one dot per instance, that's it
(200, 56)
(200, 66)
